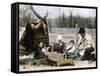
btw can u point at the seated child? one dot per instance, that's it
(71, 51)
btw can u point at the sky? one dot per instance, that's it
(56, 11)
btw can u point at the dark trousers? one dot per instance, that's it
(87, 54)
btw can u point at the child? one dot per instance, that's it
(72, 52)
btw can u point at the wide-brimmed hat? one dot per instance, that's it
(82, 30)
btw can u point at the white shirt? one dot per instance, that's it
(72, 49)
(87, 41)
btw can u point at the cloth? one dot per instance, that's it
(44, 50)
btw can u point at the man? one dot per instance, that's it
(85, 42)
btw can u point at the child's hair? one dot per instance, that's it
(72, 41)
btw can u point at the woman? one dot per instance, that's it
(86, 43)
(59, 46)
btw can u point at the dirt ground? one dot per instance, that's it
(78, 64)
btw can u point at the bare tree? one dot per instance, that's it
(71, 17)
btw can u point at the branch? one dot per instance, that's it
(44, 19)
(33, 10)
(46, 15)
